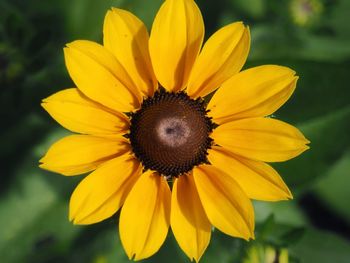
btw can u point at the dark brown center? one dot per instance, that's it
(170, 133)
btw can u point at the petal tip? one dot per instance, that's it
(42, 160)
(74, 44)
(70, 44)
(248, 237)
(80, 221)
(238, 23)
(115, 9)
(287, 70)
(76, 222)
(131, 256)
(72, 216)
(44, 104)
(247, 30)
(252, 237)
(110, 12)
(289, 195)
(305, 148)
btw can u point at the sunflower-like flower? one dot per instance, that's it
(156, 148)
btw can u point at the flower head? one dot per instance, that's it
(153, 144)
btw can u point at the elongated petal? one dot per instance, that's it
(263, 139)
(127, 38)
(100, 76)
(77, 154)
(145, 216)
(257, 179)
(222, 56)
(226, 205)
(103, 192)
(188, 220)
(176, 38)
(256, 92)
(77, 113)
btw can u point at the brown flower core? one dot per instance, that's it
(170, 133)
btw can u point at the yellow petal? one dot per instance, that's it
(98, 74)
(144, 218)
(256, 92)
(176, 38)
(77, 113)
(222, 56)
(188, 220)
(226, 205)
(103, 192)
(127, 38)
(77, 154)
(263, 139)
(257, 179)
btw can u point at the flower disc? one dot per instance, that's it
(170, 133)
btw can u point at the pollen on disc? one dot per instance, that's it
(173, 132)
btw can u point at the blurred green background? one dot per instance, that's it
(310, 36)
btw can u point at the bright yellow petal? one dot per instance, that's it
(145, 216)
(103, 192)
(77, 154)
(188, 220)
(257, 179)
(127, 38)
(77, 113)
(226, 205)
(222, 56)
(263, 139)
(98, 74)
(256, 92)
(176, 38)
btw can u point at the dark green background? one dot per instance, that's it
(315, 226)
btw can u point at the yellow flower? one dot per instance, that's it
(146, 129)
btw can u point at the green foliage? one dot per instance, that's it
(34, 203)
(321, 247)
(333, 188)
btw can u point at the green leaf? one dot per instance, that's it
(277, 234)
(23, 203)
(145, 12)
(321, 247)
(84, 18)
(339, 18)
(271, 41)
(253, 8)
(99, 243)
(320, 91)
(286, 212)
(35, 221)
(323, 48)
(333, 189)
(33, 214)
